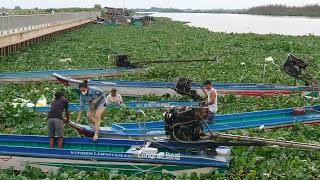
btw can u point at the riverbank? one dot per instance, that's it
(240, 59)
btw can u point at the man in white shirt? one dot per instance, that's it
(212, 102)
(114, 98)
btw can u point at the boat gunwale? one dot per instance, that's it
(134, 84)
(278, 122)
(88, 141)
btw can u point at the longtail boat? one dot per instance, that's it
(279, 118)
(133, 105)
(118, 156)
(16, 77)
(139, 88)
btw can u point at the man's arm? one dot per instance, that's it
(67, 116)
(120, 99)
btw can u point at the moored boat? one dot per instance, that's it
(139, 88)
(119, 156)
(278, 118)
(18, 77)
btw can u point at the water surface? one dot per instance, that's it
(241, 23)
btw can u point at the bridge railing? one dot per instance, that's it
(11, 24)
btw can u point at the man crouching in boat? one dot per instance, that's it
(55, 119)
(114, 98)
(212, 101)
(97, 105)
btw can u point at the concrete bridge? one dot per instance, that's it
(18, 32)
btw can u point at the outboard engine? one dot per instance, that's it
(122, 61)
(294, 66)
(183, 87)
(185, 123)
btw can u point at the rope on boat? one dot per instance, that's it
(167, 147)
(265, 141)
(171, 61)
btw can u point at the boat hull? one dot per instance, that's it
(115, 155)
(281, 118)
(140, 88)
(36, 76)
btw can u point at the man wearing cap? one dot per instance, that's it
(212, 102)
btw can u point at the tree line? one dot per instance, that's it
(275, 10)
(282, 10)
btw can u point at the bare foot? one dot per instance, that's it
(95, 137)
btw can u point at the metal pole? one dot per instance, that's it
(264, 72)
(144, 124)
(312, 100)
(173, 61)
(123, 7)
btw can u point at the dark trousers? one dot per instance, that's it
(211, 117)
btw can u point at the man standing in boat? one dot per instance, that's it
(114, 98)
(97, 105)
(55, 119)
(212, 101)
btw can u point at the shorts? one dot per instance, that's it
(211, 117)
(55, 126)
(100, 104)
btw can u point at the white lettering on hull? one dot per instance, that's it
(161, 155)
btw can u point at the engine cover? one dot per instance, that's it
(294, 66)
(183, 87)
(123, 61)
(185, 124)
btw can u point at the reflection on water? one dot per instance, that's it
(240, 23)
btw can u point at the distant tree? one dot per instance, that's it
(36, 8)
(282, 10)
(3, 8)
(97, 6)
(49, 10)
(17, 8)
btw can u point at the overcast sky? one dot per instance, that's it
(183, 4)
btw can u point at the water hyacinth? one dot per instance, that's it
(173, 40)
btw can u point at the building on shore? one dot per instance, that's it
(117, 15)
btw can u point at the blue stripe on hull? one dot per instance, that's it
(74, 72)
(134, 105)
(88, 141)
(218, 86)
